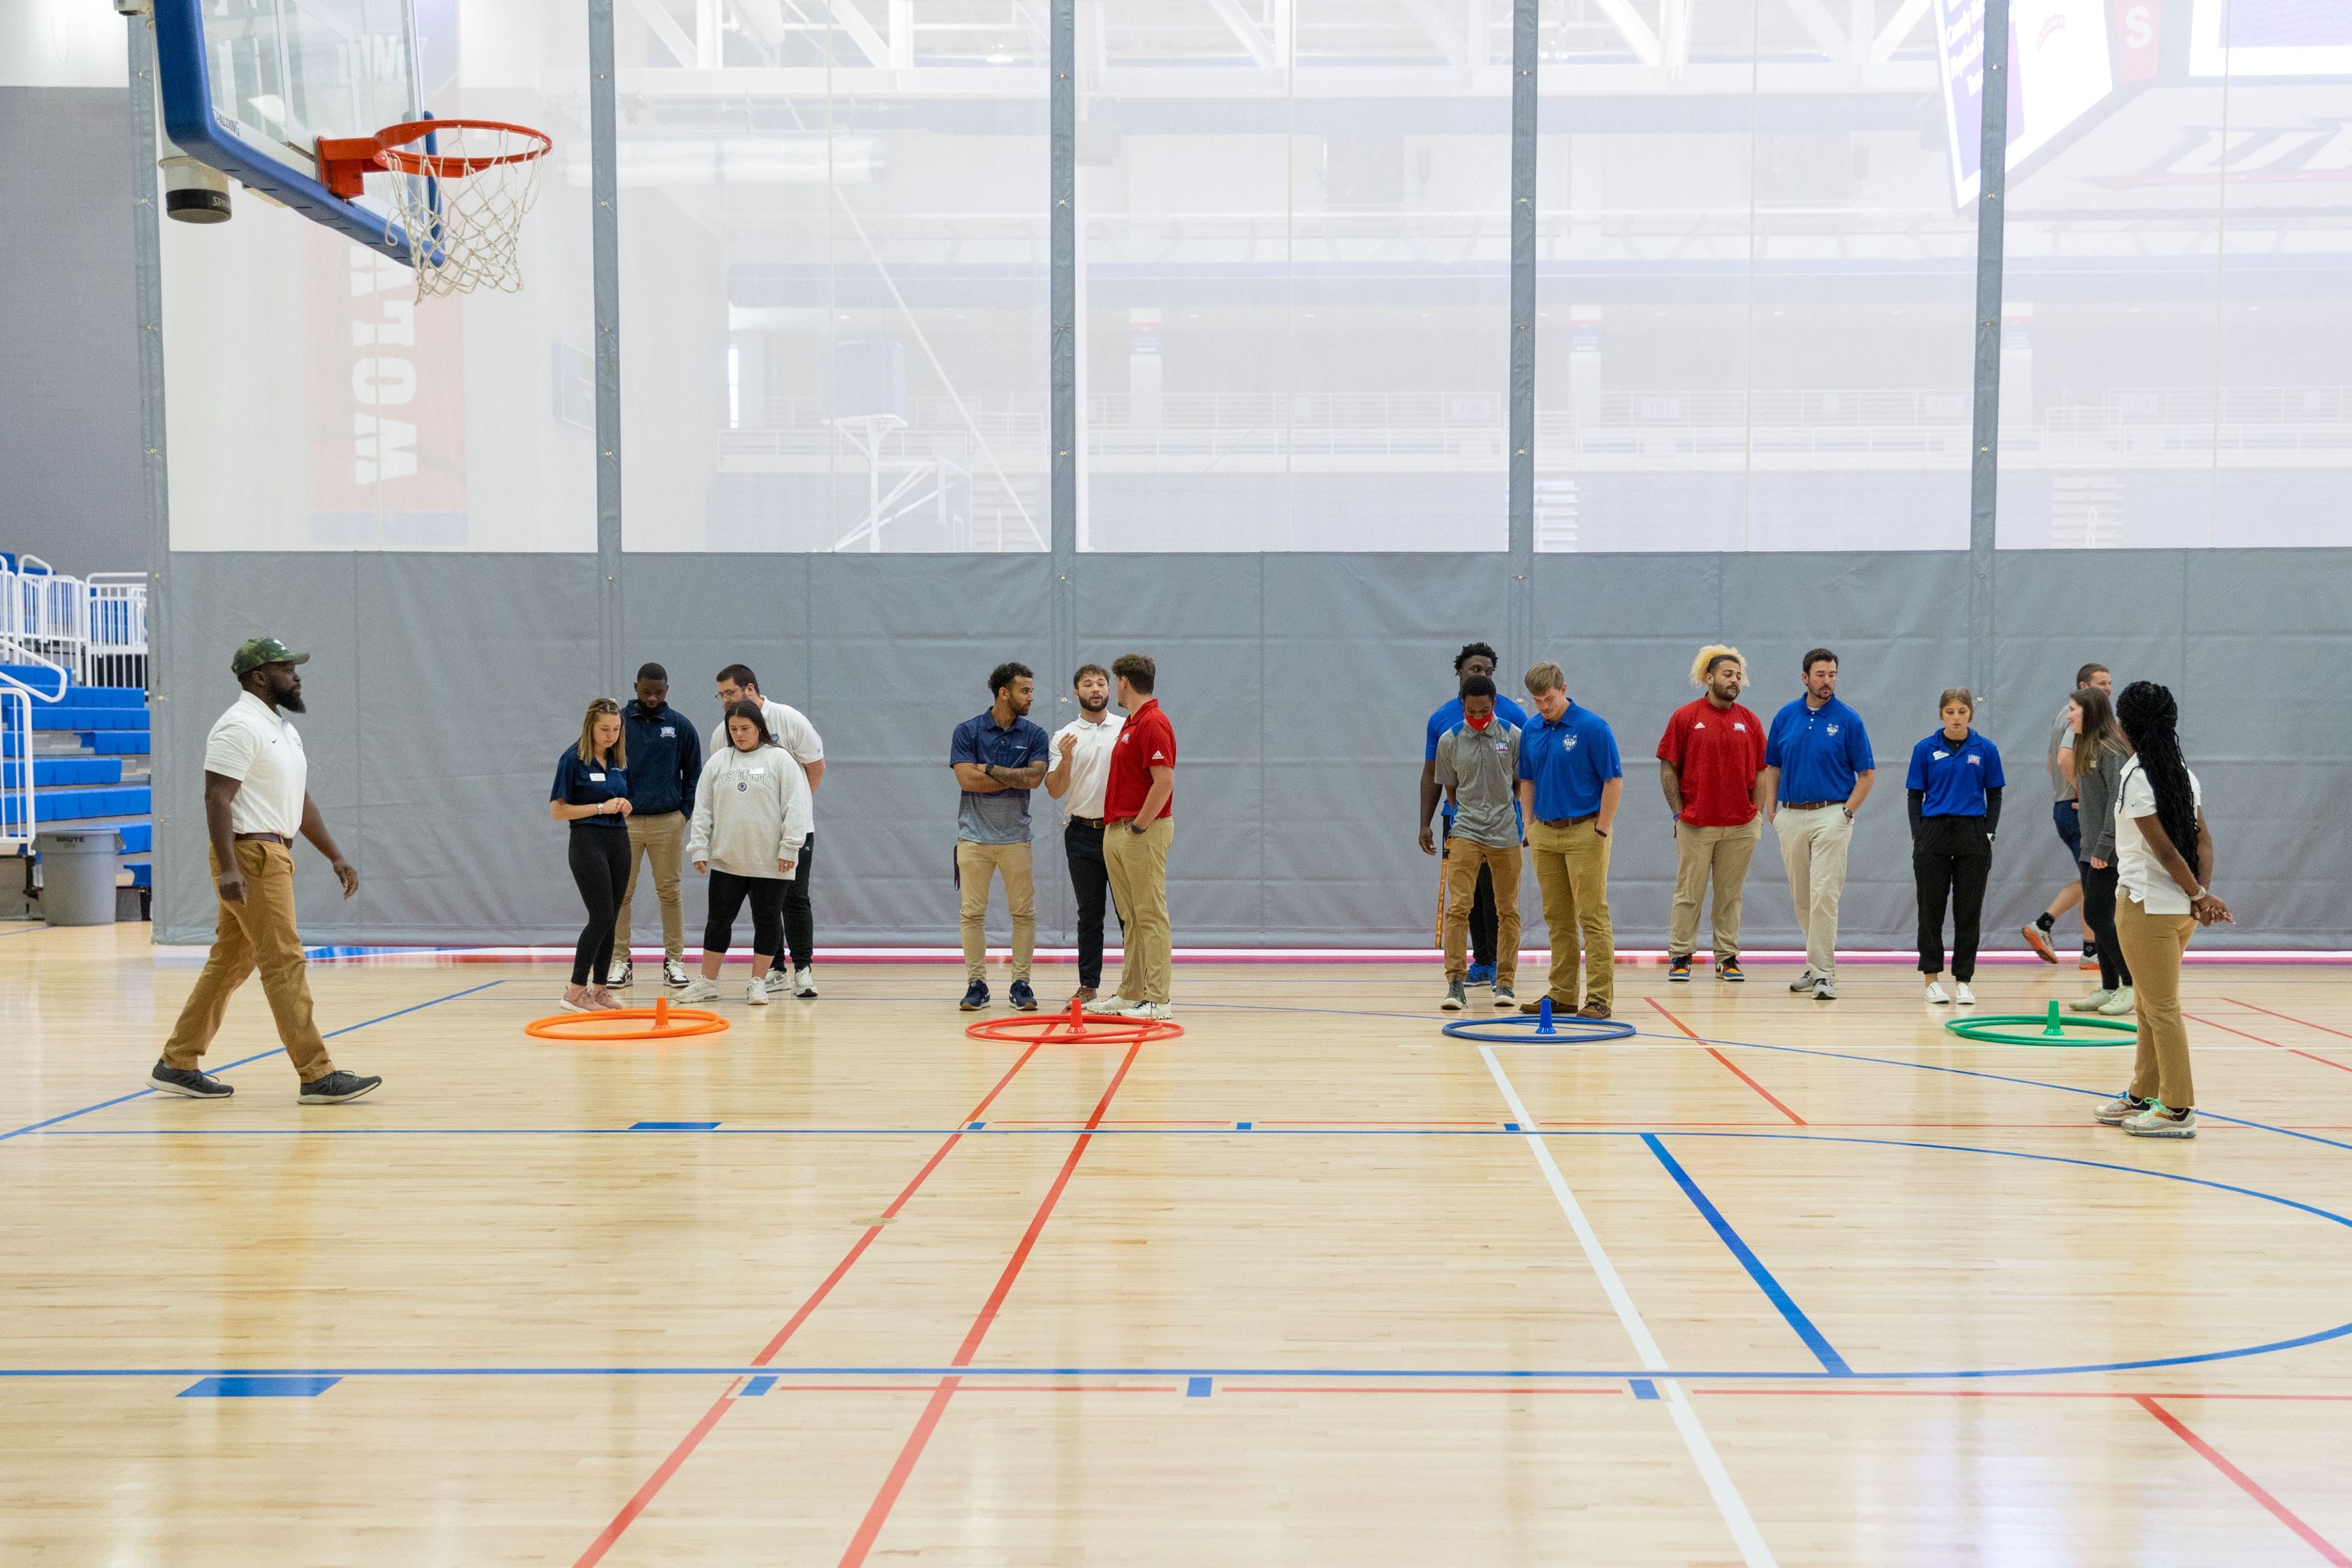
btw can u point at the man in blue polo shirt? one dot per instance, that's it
(1475, 658)
(665, 762)
(1817, 772)
(1570, 783)
(998, 756)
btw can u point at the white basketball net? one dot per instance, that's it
(465, 230)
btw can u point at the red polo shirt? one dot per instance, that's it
(1719, 752)
(1145, 741)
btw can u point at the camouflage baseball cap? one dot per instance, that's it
(251, 655)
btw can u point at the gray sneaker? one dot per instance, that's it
(187, 1083)
(1455, 999)
(1802, 982)
(2119, 1109)
(2156, 1121)
(1824, 989)
(1503, 996)
(338, 1087)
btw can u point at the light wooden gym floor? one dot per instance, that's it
(1772, 1280)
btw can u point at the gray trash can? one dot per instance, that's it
(77, 870)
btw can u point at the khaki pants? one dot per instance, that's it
(1813, 846)
(1464, 859)
(662, 840)
(1572, 872)
(2152, 946)
(255, 934)
(1723, 854)
(1138, 864)
(975, 864)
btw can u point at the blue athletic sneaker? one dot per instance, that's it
(1024, 999)
(975, 996)
(1479, 975)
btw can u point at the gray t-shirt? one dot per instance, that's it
(1482, 768)
(2061, 739)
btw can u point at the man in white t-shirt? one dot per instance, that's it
(1082, 751)
(256, 798)
(799, 738)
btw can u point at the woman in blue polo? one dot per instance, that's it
(1955, 784)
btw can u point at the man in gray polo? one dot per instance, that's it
(1478, 767)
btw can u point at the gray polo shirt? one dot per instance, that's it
(1482, 767)
(2061, 739)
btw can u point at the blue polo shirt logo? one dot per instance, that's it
(1833, 729)
(1568, 743)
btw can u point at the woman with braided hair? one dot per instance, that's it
(2164, 856)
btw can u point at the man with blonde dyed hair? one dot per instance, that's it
(1569, 785)
(1711, 764)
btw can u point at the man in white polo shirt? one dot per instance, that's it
(801, 741)
(1081, 766)
(256, 798)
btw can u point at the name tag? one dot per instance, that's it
(596, 778)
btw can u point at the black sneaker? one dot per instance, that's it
(187, 1083)
(1024, 999)
(975, 996)
(338, 1087)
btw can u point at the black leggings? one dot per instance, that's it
(727, 892)
(1950, 860)
(599, 865)
(2099, 914)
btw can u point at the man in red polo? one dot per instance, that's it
(1139, 804)
(1711, 762)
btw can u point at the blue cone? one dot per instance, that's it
(1543, 1018)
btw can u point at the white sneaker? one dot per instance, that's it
(2157, 1122)
(1825, 988)
(699, 991)
(804, 983)
(1962, 994)
(2119, 1005)
(1148, 1012)
(1802, 982)
(623, 977)
(1936, 994)
(673, 972)
(2092, 1003)
(756, 993)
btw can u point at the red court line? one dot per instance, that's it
(2241, 1034)
(2289, 1018)
(2246, 1483)
(1769, 1096)
(879, 1514)
(660, 1477)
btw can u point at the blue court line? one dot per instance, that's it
(758, 1386)
(1644, 1389)
(262, 1387)
(1199, 1388)
(1815, 1341)
(672, 1127)
(241, 1061)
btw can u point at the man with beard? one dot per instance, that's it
(1711, 762)
(998, 756)
(257, 797)
(1082, 751)
(1475, 658)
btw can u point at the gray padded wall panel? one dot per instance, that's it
(1299, 686)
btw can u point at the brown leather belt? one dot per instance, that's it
(1809, 804)
(1094, 822)
(263, 837)
(1568, 821)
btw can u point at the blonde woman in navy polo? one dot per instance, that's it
(1955, 787)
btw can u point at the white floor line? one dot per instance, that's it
(1727, 1499)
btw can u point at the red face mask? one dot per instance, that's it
(1481, 720)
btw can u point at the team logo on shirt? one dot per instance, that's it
(1975, 761)
(1568, 743)
(741, 787)
(1698, 723)
(1833, 729)
(1739, 729)
(669, 732)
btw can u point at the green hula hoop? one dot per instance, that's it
(2002, 1029)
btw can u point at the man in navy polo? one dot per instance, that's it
(1570, 783)
(1817, 772)
(665, 762)
(998, 756)
(1475, 658)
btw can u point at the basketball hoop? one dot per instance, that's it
(461, 204)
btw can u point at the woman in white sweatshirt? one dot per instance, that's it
(751, 818)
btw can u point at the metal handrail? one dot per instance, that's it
(19, 810)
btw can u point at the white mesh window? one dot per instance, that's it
(1755, 281)
(1293, 274)
(834, 276)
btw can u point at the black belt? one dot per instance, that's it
(1094, 822)
(1568, 821)
(268, 838)
(1810, 804)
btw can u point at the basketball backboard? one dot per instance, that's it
(250, 86)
